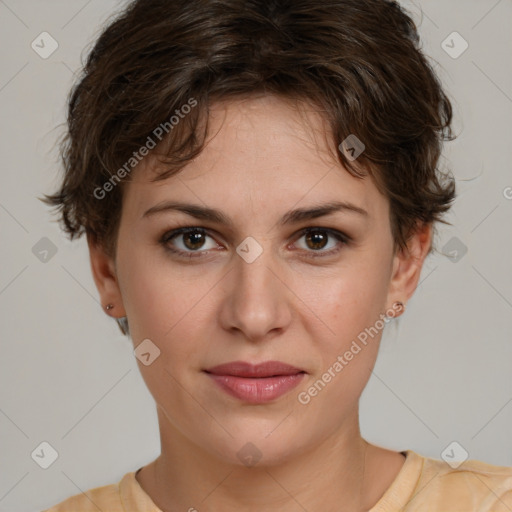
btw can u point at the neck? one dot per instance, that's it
(188, 477)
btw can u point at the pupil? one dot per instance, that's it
(195, 241)
(195, 238)
(318, 240)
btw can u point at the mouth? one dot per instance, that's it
(256, 384)
(261, 370)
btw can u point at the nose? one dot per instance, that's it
(256, 302)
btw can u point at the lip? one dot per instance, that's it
(258, 383)
(265, 369)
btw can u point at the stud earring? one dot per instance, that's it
(398, 305)
(121, 322)
(396, 310)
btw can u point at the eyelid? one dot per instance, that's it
(342, 238)
(334, 232)
(176, 232)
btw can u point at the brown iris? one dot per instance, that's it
(318, 239)
(193, 240)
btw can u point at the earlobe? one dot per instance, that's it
(408, 263)
(105, 276)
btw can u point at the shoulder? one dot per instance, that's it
(107, 497)
(126, 495)
(471, 485)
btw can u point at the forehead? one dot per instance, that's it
(261, 154)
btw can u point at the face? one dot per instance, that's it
(256, 283)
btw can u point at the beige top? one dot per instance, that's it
(423, 484)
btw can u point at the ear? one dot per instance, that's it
(407, 264)
(104, 274)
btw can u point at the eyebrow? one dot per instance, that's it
(291, 217)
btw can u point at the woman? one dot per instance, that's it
(258, 185)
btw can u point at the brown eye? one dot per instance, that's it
(316, 239)
(188, 241)
(193, 240)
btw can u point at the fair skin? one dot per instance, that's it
(261, 161)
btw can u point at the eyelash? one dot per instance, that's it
(168, 236)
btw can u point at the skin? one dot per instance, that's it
(263, 158)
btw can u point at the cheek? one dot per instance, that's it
(347, 341)
(349, 303)
(346, 299)
(173, 310)
(158, 296)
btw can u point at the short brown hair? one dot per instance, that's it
(357, 61)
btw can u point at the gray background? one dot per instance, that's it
(68, 377)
